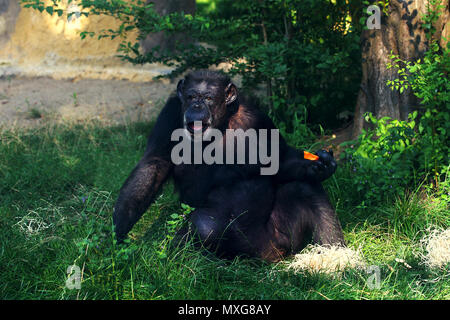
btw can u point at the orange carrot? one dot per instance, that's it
(310, 156)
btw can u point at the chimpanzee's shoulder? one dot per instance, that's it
(252, 113)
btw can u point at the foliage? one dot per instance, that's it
(173, 225)
(395, 153)
(429, 81)
(384, 159)
(305, 53)
(434, 10)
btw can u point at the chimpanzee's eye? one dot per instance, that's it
(208, 99)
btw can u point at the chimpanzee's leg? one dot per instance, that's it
(234, 216)
(301, 209)
(253, 218)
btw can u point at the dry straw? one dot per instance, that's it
(326, 259)
(437, 249)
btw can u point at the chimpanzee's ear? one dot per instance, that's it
(180, 89)
(230, 93)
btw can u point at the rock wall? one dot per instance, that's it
(37, 44)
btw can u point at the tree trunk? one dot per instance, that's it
(164, 7)
(402, 34)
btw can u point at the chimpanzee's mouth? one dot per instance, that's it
(197, 126)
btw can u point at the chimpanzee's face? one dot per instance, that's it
(204, 103)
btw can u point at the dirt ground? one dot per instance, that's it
(30, 102)
(33, 102)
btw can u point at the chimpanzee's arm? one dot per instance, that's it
(293, 166)
(139, 190)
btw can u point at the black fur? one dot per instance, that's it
(238, 211)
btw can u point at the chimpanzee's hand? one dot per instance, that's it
(323, 168)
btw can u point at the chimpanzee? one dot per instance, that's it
(238, 210)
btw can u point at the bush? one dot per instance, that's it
(384, 159)
(395, 154)
(428, 79)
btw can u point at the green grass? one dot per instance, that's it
(58, 186)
